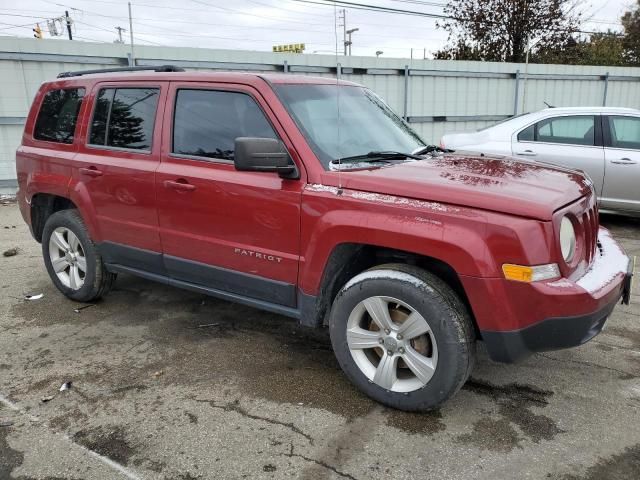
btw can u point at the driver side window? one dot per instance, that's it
(206, 123)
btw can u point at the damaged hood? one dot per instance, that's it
(502, 185)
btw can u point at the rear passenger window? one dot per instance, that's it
(206, 123)
(570, 130)
(124, 118)
(58, 115)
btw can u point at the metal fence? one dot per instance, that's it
(435, 96)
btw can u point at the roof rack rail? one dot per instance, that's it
(156, 68)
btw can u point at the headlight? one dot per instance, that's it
(567, 239)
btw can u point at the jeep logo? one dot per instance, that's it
(257, 255)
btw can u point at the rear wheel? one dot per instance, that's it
(71, 258)
(403, 337)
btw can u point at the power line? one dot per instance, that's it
(352, 5)
(374, 8)
(117, 17)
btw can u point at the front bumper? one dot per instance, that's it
(542, 316)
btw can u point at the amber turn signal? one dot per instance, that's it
(523, 273)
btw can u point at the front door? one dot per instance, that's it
(622, 163)
(226, 230)
(116, 167)
(573, 141)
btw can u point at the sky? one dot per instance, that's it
(260, 24)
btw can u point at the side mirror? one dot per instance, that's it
(263, 155)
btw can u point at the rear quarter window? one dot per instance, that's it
(124, 118)
(56, 121)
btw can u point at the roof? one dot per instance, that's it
(588, 109)
(208, 76)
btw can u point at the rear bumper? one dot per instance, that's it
(541, 316)
(25, 209)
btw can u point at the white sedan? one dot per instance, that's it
(602, 141)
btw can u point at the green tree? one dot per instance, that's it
(500, 30)
(605, 48)
(631, 41)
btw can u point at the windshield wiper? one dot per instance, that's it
(429, 149)
(377, 156)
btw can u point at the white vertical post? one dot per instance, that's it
(133, 57)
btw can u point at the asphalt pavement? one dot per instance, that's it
(172, 385)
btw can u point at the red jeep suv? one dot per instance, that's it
(309, 197)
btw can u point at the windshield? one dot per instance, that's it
(366, 123)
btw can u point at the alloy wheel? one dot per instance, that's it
(392, 344)
(67, 258)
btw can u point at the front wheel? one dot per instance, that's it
(403, 337)
(72, 260)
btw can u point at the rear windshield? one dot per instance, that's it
(58, 115)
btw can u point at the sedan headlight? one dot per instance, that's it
(567, 239)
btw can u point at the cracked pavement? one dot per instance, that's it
(168, 384)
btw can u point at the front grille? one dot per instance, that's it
(589, 223)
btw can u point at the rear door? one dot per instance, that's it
(227, 230)
(116, 168)
(622, 167)
(573, 141)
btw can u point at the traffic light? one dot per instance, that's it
(37, 32)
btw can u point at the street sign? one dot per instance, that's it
(291, 48)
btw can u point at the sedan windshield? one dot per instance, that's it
(341, 121)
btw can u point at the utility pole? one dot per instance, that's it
(68, 21)
(349, 42)
(344, 32)
(526, 71)
(133, 58)
(120, 30)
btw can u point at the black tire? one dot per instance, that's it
(97, 280)
(447, 317)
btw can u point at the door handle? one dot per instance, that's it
(182, 186)
(91, 172)
(624, 161)
(527, 153)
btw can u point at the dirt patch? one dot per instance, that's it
(9, 458)
(426, 423)
(4, 366)
(193, 419)
(625, 465)
(47, 383)
(490, 434)
(152, 465)
(129, 388)
(50, 478)
(63, 422)
(603, 347)
(514, 404)
(187, 476)
(109, 442)
(626, 333)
